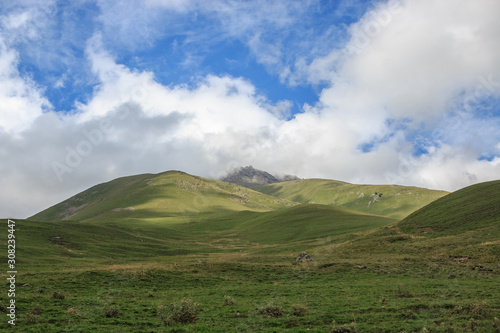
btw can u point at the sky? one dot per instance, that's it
(375, 92)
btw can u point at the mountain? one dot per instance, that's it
(172, 194)
(248, 176)
(177, 195)
(126, 248)
(176, 213)
(385, 200)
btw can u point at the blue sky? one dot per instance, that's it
(181, 46)
(398, 91)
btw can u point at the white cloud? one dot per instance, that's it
(262, 26)
(20, 99)
(26, 20)
(411, 78)
(215, 103)
(417, 63)
(420, 65)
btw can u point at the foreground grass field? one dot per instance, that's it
(384, 297)
(234, 270)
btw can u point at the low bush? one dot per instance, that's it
(110, 311)
(184, 313)
(58, 295)
(299, 310)
(228, 300)
(271, 310)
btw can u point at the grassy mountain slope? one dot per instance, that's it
(288, 229)
(474, 207)
(295, 224)
(308, 222)
(435, 271)
(463, 227)
(169, 194)
(385, 200)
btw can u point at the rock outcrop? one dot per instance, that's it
(303, 257)
(249, 176)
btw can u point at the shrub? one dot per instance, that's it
(271, 310)
(292, 322)
(402, 292)
(474, 310)
(110, 312)
(184, 313)
(349, 328)
(73, 312)
(299, 310)
(496, 324)
(58, 295)
(228, 300)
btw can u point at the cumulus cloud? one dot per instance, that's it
(410, 99)
(423, 64)
(21, 100)
(131, 125)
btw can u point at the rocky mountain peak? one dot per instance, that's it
(249, 176)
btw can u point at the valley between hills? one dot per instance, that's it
(173, 252)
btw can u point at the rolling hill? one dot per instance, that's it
(158, 207)
(385, 200)
(125, 256)
(169, 194)
(463, 226)
(155, 215)
(471, 208)
(174, 194)
(301, 223)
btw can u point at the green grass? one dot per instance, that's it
(382, 298)
(473, 207)
(168, 194)
(385, 200)
(306, 222)
(435, 271)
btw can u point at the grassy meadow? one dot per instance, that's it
(225, 262)
(387, 200)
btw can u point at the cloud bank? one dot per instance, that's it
(409, 95)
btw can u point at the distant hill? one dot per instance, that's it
(307, 222)
(462, 227)
(249, 176)
(168, 194)
(175, 194)
(385, 200)
(474, 207)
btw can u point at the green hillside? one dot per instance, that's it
(474, 207)
(170, 194)
(289, 229)
(385, 200)
(464, 224)
(234, 258)
(302, 223)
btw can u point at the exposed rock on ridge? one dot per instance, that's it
(248, 176)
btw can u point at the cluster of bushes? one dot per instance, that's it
(186, 311)
(272, 310)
